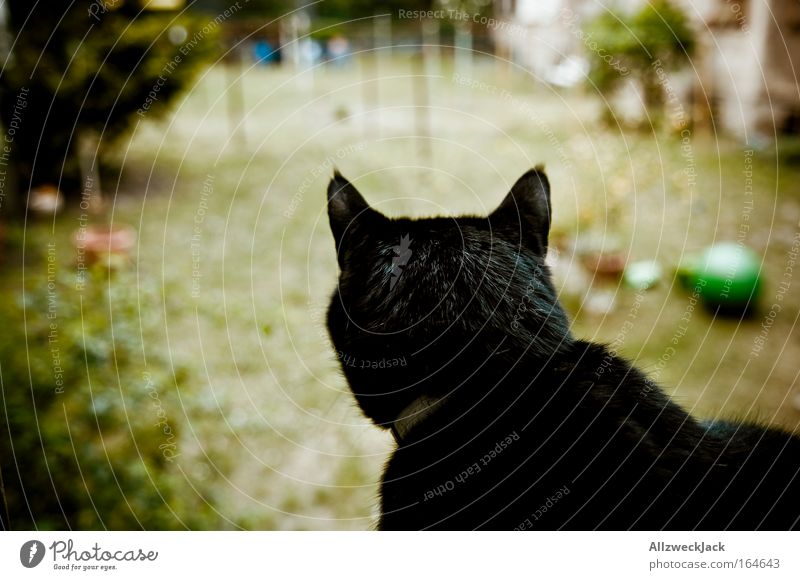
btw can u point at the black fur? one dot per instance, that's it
(534, 429)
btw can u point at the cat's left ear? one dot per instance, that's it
(526, 209)
(346, 207)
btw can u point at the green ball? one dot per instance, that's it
(727, 275)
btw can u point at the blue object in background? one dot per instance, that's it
(264, 52)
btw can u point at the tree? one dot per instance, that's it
(654, 39)
(90, 68)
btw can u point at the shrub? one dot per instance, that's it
(657, 34)
(77, 68)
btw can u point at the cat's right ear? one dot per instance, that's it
(526, 209)
(345, 205)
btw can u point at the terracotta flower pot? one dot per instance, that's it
(609, 265)
(97, 241)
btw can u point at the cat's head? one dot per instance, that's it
(423, 302)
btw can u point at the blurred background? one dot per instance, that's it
(165, 258)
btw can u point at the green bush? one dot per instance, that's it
(658, 36)
(78, 68)
(91, 432)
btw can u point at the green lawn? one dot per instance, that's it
(267, 408)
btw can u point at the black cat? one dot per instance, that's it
(450, 334)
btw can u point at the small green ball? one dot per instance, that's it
(727, 275)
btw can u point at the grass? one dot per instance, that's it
(269, 410)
